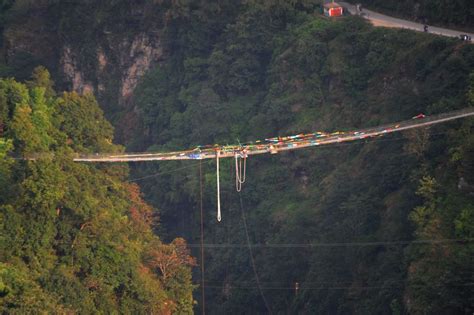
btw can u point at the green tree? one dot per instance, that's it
(81, 119)
(74, 237)
(42, 78)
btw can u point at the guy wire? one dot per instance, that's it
(251, 255)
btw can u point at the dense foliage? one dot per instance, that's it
(390, 219)
(276, 71)
(76, 238)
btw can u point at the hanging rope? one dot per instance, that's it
(238, 184)
(219, 218)
(242, 179)
(203, 299)
(239, 175)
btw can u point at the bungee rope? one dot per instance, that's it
(239, 176)
(219, 217)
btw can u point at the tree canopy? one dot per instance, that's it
(382, 226)
(76, 238)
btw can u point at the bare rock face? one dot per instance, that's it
(73, 74)
(101, 59)
(136, 61)
(105, 57)
(134, 57)
(119, 65)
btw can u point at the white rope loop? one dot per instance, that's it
(239, 175)
(245, 170)
(238, 183)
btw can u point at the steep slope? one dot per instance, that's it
(270, 74)
(236, 71)
(101, 47)
(76, 238)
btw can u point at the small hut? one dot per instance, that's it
(333, 9)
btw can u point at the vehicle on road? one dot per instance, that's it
(419, 116)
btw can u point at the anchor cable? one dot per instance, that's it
(251, 256)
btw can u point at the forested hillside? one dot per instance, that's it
(382, 226)
(76, 238)
(278, 72)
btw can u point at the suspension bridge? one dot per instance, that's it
(273, 146)
(278, 144)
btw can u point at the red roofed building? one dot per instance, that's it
(333, 9)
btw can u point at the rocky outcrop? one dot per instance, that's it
(135, 57)
(90, 53)
(72, 73)
(143, 52)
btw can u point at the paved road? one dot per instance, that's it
(378, 19)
